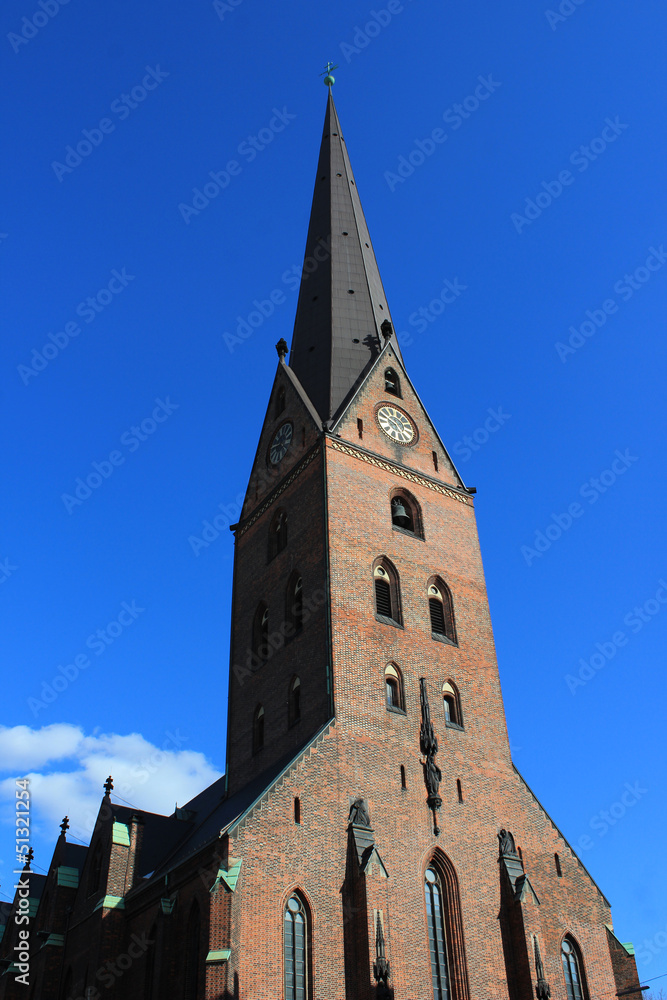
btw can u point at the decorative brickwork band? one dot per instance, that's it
(397, 470)
(428, 743)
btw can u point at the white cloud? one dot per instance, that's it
(149, 777)
(22, 748)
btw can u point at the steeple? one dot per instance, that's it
(342, 305)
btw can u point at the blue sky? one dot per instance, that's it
(539, 199)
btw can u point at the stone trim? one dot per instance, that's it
(397, 470)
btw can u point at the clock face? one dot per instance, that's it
(395, 424)
(280, 443)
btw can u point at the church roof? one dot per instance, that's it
(342, 305)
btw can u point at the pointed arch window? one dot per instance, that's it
(280, 401)
(405, 513)
(573, 970)
(294, 701)
(393, 686)
(441, 611)
(278, 534)
(387, 593)
(392, 383)
(437, 937)
(294, 602)
(258, 729)
(449, 974)
(260, 631)
(192, 949)
(451, 703)
(296, 945)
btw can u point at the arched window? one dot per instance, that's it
(437, 935)
(387, 595)
(573, 970)
(445, 931)
(451, 703)
(294, 701)
(405, 513)
(393, 685)
(192, 954)
(294, 602)
(280, 401)
(295, 928)
(441, 611)
(260, 631)
(95, 877)
(392, 383)
(258, 729)
(278, 534)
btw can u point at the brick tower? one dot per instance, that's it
(371, 837)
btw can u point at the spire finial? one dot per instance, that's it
(329, 80)
(64, 826)
(29, 857)
(108, 785)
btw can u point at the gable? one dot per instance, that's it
(289, 407)
(360, 423)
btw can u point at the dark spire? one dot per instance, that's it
(342, 304)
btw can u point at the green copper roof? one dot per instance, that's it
(68, 877)
(121, 834)
(219, 956)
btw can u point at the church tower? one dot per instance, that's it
(371, 837)
(394, 850)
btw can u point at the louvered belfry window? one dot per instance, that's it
(296, 947)
(383, 597)
(437, 940)
(441, 611)
(437, 616)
